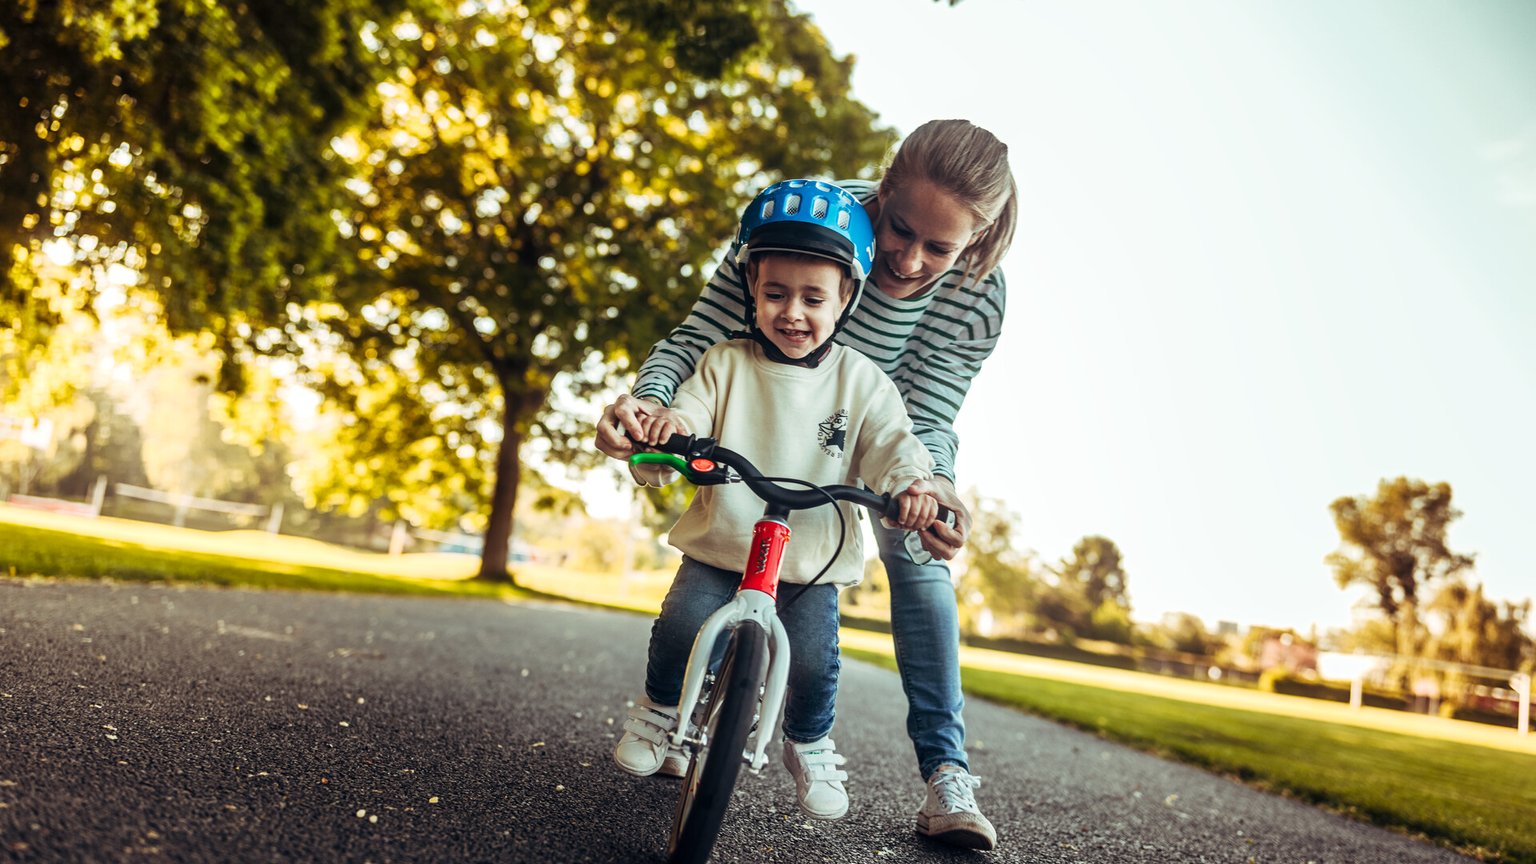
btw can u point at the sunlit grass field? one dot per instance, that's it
(1462, 784)
(34, 543)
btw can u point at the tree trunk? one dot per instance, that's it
(1408, 632)
(498, 531)
(1407, 644)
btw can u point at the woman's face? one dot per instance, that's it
(920, 232)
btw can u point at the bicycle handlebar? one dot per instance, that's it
(701, 461)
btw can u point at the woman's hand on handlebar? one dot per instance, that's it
(623, 423)
(941, 540)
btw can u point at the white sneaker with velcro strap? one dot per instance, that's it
(643, 749)
(816, 767)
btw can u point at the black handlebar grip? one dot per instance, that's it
(947, 516)
(677, 444)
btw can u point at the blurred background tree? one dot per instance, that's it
(52, 401)
(1005, 589)
(1001, 581)
(1394, 544)
(1094, 599)
(1182, 632)
(1467, 627)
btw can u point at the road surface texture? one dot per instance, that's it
(142, 722)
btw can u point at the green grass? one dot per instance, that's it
(1479, 800)
(27, 550)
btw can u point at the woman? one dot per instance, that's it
(944, 213)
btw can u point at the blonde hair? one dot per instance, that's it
(971, 164)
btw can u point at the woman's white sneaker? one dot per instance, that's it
(950, 814)
(642, 750)
(818, 778)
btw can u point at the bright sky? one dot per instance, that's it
(1269, 253)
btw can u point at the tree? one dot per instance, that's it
(1374, 635)
(1084, 596)
(1180, 631)
(1394, 544)
(1093, 582)
(539, 196)
(43, 389)
(1475, 630)
(387, 440)
(184, 140)
(999, 577)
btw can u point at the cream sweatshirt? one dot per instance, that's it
(841, 422)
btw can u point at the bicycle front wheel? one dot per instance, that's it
(728, 721)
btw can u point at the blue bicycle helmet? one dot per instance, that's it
(812, 217)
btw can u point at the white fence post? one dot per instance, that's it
(275, 520)
(99, 495)
(1352, 668)
(397, 538)
(1521, 681)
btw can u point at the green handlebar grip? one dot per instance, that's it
(671, 460)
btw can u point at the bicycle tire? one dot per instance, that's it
(711, 777)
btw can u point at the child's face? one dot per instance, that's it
(797, 302)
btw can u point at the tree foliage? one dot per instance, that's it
(1469, 628)
(538, 199)
(1095, 569)
(198, 440)
(1180, 631)
(1083, 597)
(385, 441)
(43, 390)
(1094, 598)
(185, 139)
(1394, 543)
(999, 574)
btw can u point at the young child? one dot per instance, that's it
(799, 406)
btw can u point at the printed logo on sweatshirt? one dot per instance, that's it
(832, 432)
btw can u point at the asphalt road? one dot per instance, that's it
(188, 724)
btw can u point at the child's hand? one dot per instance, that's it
(658, 424)
(919, 507)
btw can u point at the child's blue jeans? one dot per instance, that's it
(810, 622)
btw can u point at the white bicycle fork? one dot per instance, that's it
(749, 604)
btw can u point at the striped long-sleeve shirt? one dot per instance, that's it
(930, 345)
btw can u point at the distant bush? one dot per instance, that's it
(1278, 680)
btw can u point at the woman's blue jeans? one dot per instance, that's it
(925, 626)
(810, 622)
